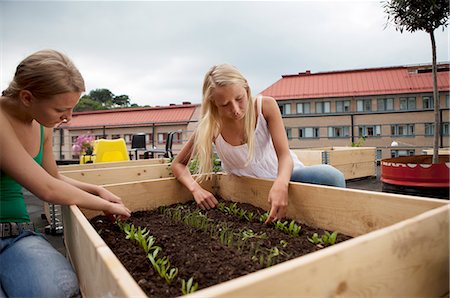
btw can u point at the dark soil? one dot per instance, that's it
(196, 253)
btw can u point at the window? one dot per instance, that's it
(429, 129)
(445, 129)
(74, 139)
(369, 130)
(127, 138)
(115, 136)
(289, 133)
(407, 103)
(402, 130)
(447, 101)
(177, 138)
(98, 137)
(308, 132)
(427, 102)
(364, 105)
(162, 137)
(385, 104)
(323, 107)
(285, 109)
(397, 153)
(303, 108)
(342, 106)
(338, 131)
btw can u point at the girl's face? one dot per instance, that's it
(231, 101)
(51, 112)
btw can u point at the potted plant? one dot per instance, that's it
(84, 147)
(419, 174)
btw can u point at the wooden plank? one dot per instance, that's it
(113, 164)
(351, 155)
(349, 211)
(98, 270)
(150, 194)
(406, 259)
(444, 151)
(309, 157)
(121, 174)
(358, 170)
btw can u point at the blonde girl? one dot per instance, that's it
(249, 137)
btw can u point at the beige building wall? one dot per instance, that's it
(413, 144)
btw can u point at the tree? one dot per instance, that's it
(86, 103)
(422, 15)
(104, 96)
(122, 101)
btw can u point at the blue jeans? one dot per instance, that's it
(319, 174)
(31, 267)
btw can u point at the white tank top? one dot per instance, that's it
(265, 161)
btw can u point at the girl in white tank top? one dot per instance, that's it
(265, 161)
(250, 140)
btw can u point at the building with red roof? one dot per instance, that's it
(154, 122)
(383, 104)
(324, 109)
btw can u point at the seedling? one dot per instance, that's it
(189, 286)
(326, 239)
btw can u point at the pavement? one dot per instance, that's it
(37, 215)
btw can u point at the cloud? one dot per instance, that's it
(157, 52)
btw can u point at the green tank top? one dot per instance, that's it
(12, 203)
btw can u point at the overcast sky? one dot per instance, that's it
(158, 52)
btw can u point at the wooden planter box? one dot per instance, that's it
(353, 162)
(100, 165)
(401, 244)
(109, 173)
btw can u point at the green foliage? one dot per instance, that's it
(86, 103)
(360, 142)
(103, 96)
(326, 239)
(417, 15)
(189, 286)
(193, 165)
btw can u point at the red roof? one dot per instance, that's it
(363, 82)
(131, 116)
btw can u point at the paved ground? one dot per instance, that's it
(36, 209)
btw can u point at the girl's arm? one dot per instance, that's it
(278, 195)
(17, 163)
(49, 164)
(204, 198)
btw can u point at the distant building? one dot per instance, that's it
(155, 122)
(385, 105)
(392, 107)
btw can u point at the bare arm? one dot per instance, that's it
(49, 164)
(17, 163)
(278, 195)
(204, 198)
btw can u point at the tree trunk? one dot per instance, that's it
(437, 122)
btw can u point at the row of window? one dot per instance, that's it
(362, 105)
(366, 131)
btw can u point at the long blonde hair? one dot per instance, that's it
(209, 125)
(45, 74)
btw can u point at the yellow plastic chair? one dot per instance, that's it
(110, 150)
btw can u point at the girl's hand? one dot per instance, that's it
(278, 198)
(204, 198)
(108, 196)
(117, 211)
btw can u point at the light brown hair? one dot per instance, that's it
(45, 74)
